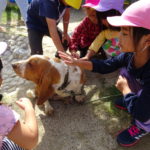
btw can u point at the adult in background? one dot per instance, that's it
(22, 4)
(43, 17)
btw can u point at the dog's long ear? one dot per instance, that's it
(44, 89)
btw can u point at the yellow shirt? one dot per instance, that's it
(100, 39)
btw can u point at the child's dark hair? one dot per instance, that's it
(104, 15)
(138, 33)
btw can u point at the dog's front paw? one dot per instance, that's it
(48, 108)
(80, 98)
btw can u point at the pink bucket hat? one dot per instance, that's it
(105, 5)
(136, 15)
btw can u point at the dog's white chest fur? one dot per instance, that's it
(70, 78)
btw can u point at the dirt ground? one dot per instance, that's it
(90, 126)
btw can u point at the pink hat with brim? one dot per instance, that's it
(105, 5)
(136, 15)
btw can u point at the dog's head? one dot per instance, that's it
(38, 68)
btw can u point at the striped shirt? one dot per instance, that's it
(9, 145)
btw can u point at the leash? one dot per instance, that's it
(105, 97)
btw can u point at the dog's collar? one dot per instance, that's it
(66, 81)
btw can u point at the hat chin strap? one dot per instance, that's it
(146, 47)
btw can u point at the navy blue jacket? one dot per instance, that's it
(39, 10)
(138, 105)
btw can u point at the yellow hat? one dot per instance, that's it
(73, 3)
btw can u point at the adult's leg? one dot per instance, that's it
(23, 6)
(35, 41)
(3, 4)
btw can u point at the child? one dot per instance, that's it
(15, 134)
(43, 17)
(135, 43)
(85, 32)
(22, 4)
(109, 33)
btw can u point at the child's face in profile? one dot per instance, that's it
(105, 22)
(91, 13)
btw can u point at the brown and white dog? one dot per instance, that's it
(51, 77)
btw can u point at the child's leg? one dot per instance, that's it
(132, 134)
(35, 41)
(133, 84)
(23, 6)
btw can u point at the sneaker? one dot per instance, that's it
(120, 104)
(130, 136)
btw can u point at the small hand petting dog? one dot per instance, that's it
(51, 76)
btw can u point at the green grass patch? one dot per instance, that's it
(11, 15)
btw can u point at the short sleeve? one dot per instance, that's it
(8, 118)
(48, 9)
(98, 42)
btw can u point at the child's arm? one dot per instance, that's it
(68, 59)
(25, 134)
(66, 19)
(89, 54)
(96, 65)
(95, 46)
(79, 32)
(54, 34)
(137, 104)
(100, 39)
(122, 85)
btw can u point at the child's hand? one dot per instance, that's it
(122, 85)
(24, 103)
(75, 55)
(84, 58)
(68, 59)
(65, 37)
